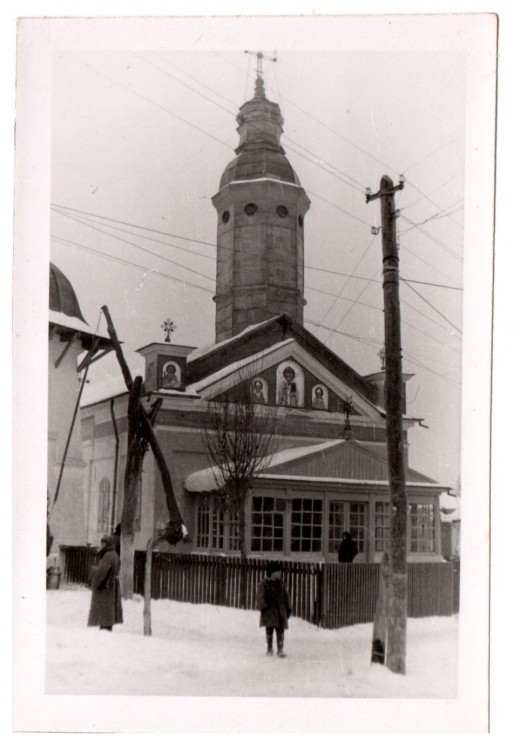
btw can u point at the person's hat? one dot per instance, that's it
(273, 567)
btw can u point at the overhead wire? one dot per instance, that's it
(126, 262)
(211, 258)
(173, 114)
(68, 211)
(158, 272)
(355, 268)
(433, 307)
(225, 144)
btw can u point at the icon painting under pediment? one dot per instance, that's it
(320, 397)
(290, 384)
(259, 391)
(171, 375)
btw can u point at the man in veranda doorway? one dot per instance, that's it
(347, 549)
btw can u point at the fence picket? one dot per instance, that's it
(330, 595)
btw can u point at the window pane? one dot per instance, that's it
(267, 527)
(202, 524)
(336, 525)
(422, 527)
(382, 526)
(306, 530)
(357, 524)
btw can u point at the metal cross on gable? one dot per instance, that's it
(168, 326)
(348, 407)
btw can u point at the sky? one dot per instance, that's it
(142, 123)
(140, 139)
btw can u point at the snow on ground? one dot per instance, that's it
(204, 650)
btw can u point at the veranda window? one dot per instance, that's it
(267, 524)
(382, 526)
(216, 529)
(306, 525)
(422, 527)
(344, 516)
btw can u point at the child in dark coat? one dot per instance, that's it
(274, 605)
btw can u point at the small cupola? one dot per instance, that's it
(165, 367)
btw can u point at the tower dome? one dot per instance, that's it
(259, 153)
(260, 225)
(62, 295)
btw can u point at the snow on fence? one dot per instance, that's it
(328, 595)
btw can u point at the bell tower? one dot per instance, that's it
(260, 225)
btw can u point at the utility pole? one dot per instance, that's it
(397, 599)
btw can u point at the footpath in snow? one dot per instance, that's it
(204, 650)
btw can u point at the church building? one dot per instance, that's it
(72, 346)
(329, 471)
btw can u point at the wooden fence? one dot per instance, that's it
(328, 595)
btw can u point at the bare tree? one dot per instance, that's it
(240, 436)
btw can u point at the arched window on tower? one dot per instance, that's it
(104, 505)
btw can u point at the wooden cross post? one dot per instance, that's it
(140, 435)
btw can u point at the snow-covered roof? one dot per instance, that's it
(449, 508)
(197, 353)
(326, 480)
(109, 386)
(206, 480)
(209, 480)
(71, 322)
(234, 366)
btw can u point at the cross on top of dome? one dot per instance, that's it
(259, 88)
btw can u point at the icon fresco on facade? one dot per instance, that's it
(171, 375)
(259, 391)
(290, 384)
(320, 397)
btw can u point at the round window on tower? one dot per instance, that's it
(282, 211)
(300, 221)
(225, 218)
(250, 209)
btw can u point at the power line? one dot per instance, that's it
(208, 257)
(59, 208)
(174, 78)
(145, 250)
(360, 260)
(344, 316)
(378, 345)
(440, 215)
(406, 208)
(129, 263)
(438, 242)
(429, 283)
(206, 289)
(159, 106)
(428, 156)
(197, 80)
(432, 306)
(426, 263)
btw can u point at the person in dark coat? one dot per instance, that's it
(274, 604)
(347, 550)
(106, 608)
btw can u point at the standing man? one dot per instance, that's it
(106, 608)
(347, 550)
